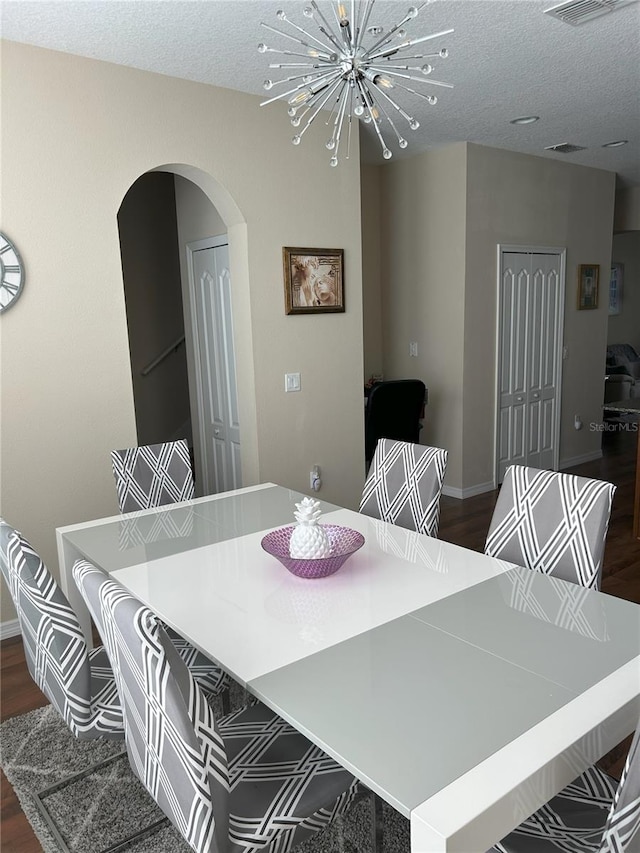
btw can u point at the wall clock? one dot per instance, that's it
(11, 273)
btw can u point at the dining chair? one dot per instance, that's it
(593, 814)
(242, 783)
(393, 410)
(404, 485)
(78, 682)
(553, 523)
(152, 475)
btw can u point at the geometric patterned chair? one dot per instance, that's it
(78, 683)
(152, 475)
(155, 475)
(591, 815)
(242, 783)
(552, 523)
(404, 485)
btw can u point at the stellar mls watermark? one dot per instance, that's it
(613, 427)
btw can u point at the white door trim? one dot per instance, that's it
(561, 252)
(201, 460)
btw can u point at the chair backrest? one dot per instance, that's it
(393, 411)
(553, 523)
(152, 475)
(54, 645)
(171, 737)
(404, 485)
(623, 824)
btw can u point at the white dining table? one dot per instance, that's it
(463, 690)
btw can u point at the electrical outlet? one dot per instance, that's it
(413, 349)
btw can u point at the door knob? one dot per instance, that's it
(536, 395)
(519, 399)
(216, 432)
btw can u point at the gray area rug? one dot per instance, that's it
(37, 750)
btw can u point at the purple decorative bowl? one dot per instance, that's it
(344, 542)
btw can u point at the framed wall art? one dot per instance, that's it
(588, 275)
(615, 288)
(313, 280)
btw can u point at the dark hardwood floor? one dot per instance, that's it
(463, 522)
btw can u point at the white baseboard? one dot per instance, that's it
(11, 628)
(469, 492)
(580, 460)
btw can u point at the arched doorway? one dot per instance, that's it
(162, 217)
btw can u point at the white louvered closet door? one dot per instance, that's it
(530, 349)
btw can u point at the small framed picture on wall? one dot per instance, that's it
(313, 280)
(588, 276)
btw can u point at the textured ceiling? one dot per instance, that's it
(506, 59)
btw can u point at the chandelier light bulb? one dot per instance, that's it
(349, 69)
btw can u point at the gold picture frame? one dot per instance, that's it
(588, 281)
(313, 280)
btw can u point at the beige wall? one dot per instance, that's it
(624, 328)
(519, 199)
(372, 239)
(444, 213)
(423, 279)
(76, 134)
(627, 211)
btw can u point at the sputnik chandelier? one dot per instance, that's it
(343, 75)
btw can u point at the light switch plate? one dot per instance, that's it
(291, 382)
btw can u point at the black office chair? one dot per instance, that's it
(393, 411)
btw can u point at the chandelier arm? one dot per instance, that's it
(431, 99)
(326, 56)
(405, 115)
(326, 60)
(389, 119)
(349, 121)
(375, 94)
(306, 33)
(328, 32)
(318, 79)
(318, 107)
(288, 80)
(293, 65)
(368, 100)
(366, 14)
(385, 71)
(354, 22)
(388, 35)
(409, 43)
(386, 67)
(337, 126)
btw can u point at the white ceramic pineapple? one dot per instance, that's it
(308, 538)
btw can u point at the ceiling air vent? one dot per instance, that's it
(577, 12)
(564, 148)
